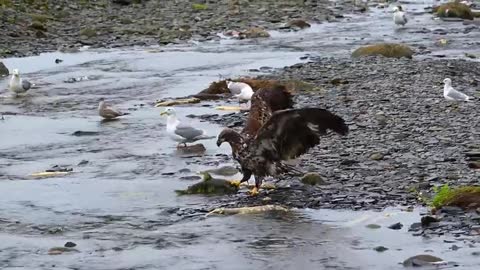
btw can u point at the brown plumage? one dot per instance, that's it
(272, 136)
(264, 103)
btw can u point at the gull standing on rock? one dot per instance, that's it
(182, 133)
(18, 85)
(399, 16)
(108, 112)
(453, 95)
(240, 90)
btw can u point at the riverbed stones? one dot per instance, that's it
(120, 23)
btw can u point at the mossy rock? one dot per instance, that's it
(313, 179)
(88, 32)
(38, 26)
(210, 186)
(455, 10)
(254, 32)
(390, 50)
(41, 18)
(3, 70)
(465, 197)
(199, 6)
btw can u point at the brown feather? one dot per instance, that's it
(264, 103)
(291, 133)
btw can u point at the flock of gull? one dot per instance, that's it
(274, 132)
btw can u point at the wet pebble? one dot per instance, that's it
(70, 245)
(396, 226)
(380, 249)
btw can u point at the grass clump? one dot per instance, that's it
(88, 32)
(199, 6)
(464, 197)
(455, 10)
(390, 50)
(41, 18)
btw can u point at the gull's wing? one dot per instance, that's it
(456, 95)
(404, 17)
(188, 132)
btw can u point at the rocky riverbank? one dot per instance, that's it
(32, 27)
(405, 138)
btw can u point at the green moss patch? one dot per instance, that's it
(464, 197)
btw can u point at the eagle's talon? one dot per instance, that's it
(235, 182)
(254, 191)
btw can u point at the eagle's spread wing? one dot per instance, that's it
(290, 133)
(264, 103)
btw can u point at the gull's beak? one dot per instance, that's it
(164, 113)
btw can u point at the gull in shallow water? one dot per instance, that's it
(108, 112)
(182, 133)
(240, 90)
(399, 16)
(18, 85)
(453, 95)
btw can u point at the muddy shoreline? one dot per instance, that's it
(30, 29)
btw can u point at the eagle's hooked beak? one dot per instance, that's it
(219, 142)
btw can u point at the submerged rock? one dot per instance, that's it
(210, 186)
(390, 50)
(423, 260)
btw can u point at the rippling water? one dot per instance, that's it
(120, 206)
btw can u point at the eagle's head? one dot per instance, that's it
(231, 136)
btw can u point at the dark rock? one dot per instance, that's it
(70, 245)
(373, 226)
(396, 226)
(380, 249)
(85, 133)
(427, 220)
(58, 61)
(3, 70)
(83, 162)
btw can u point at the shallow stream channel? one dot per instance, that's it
(118, 205)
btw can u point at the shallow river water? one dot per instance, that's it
(119, 204)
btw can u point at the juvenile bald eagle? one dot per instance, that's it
(282, 135)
